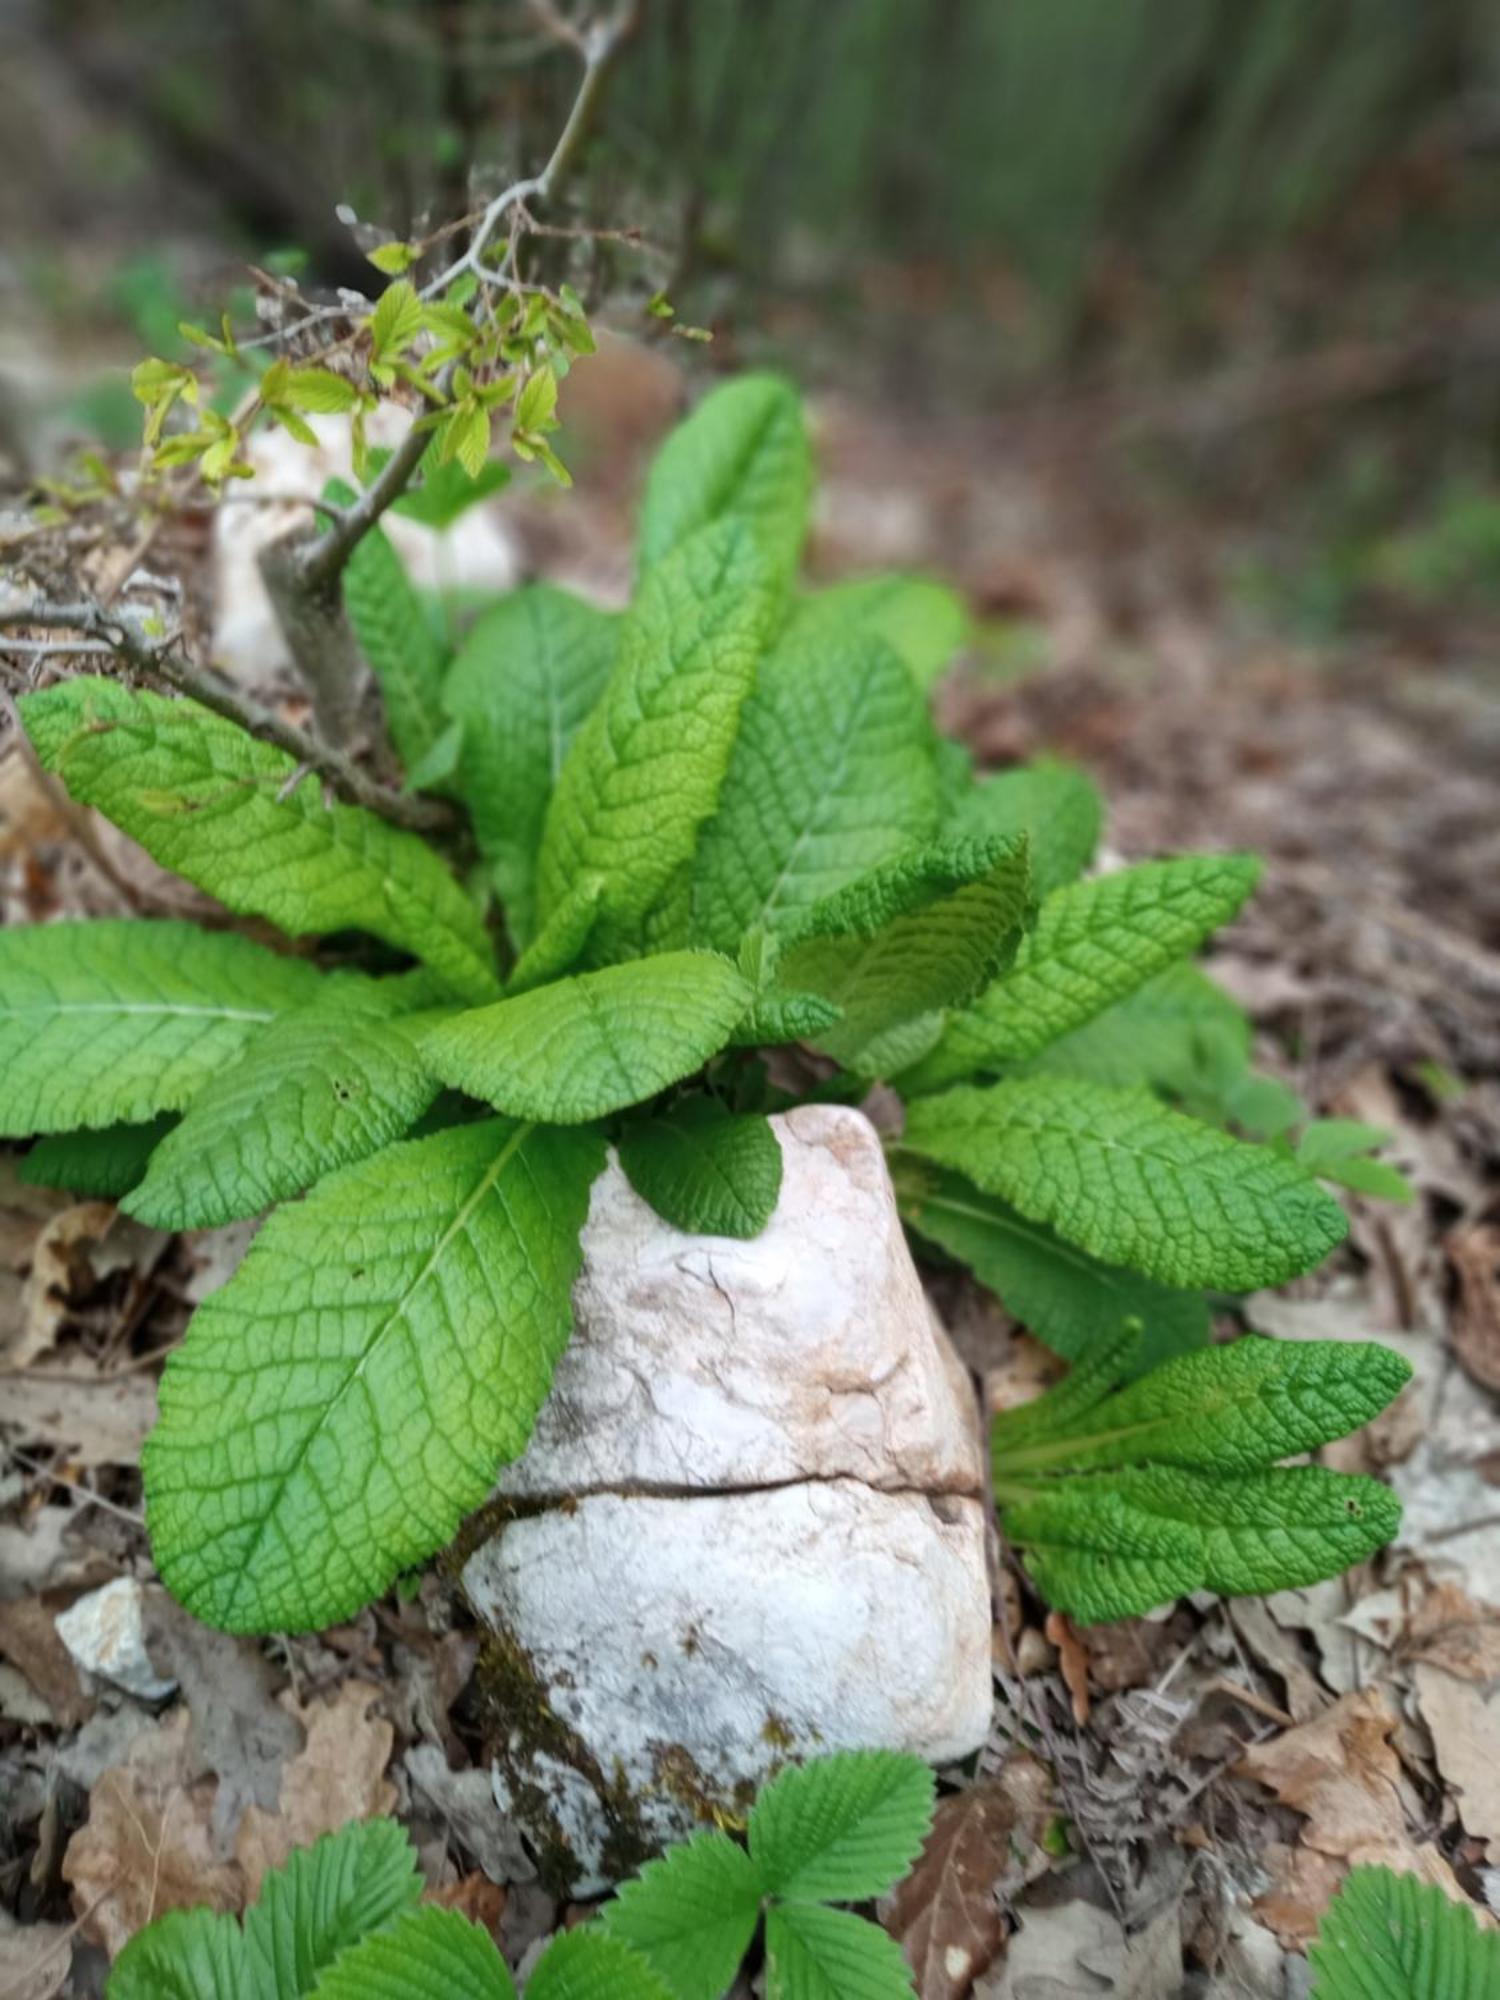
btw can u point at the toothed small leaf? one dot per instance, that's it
(818, 1954)
(324, 1899)
(843, 1828)
(588, 1964)
(691, 1915)
(1395, 1937)
(706, 1170)
(429, 1954)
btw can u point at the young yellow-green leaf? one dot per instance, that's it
(1131, 1182)
(184, 1955)
(645, 770)
(318, 1091)
(1067, 1298)
(923, 622)
(832, 773)
(1223, 1409)
(818, 1954)
(592, 1044)
(1175, 1033)
(1109, 1545)
(706, 1170)
(121, 1019)
(104, 1164)
(1395, 1937)
(522, 684)
(324, 1899)
(430, 1954)
(1338, 1149)
(741, 455)
(396, 320)
(1054, 805)
(233, 815)
(1093, 943)
(319, 390)
(919, 934)
(400, 647)
(589, 1964)
(384, 1348)
(842, 1829)
(691, 1915)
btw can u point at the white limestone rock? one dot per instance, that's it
(105, 1633)
(477, 551)
(749, 1524)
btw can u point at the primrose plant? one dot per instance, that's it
(717, 822)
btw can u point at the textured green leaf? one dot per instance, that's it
(1394, 1937)
(185, 1955)
(843, 1828)
(704, 1169)
(430, 1954)
(1066, 1297)
(522, 683)
(908, 939)
(319, 1090)
(560, 943)
(818, 1954)
(232, 815)
(742, 455)
(588, 1964)
(1092, 944)
(691, 1915)
(325, 1898)
(1117, 1544)
(595, 1043)
(1129, 1181)
(1054, 805)
(1223, 1409)
(104, 1164)
(645, 770)
(400, 647)
(776, 1015)
(1176, 1033)
(121, 1019)
(925, 623)
(384, 1347)
(832, 773)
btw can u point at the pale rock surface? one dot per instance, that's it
(476, 552)
(105, 1633)
(750, 1520)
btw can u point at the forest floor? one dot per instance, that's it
(1218, 1767)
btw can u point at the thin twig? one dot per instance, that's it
(76, 1486)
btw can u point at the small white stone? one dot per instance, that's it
(105, 1634)
(753, 1520)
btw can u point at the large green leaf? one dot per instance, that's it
(906, 940)
(645, 770)
(383, 1348)
(1093, 943)
(396, 637)
(691, 1915)
(594, 1043)
(1066, 1297)
(1395, 1937)
(1117, 1544)
(706, 1170)
(522, 683)
(1224, 1409)
(430, 1954)
(818, 1954)
(106, 1163)
(1054, 805)
(1176, 1033)
(832, 773)
(319, 1090)
(742, 455)
(923, 622)
(237, 817)
(121, 1019)
(1131, 1182)
(842, 1829)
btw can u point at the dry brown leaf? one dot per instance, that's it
(338, 1775)
(1450, 1630)
(28, 1638)
(44, 1295)
(146, 1845)
(1072, 1663)
(1474, 1253)
(35, 1959)
(946, 1915)
(1465, 1727)
(1303, 1883)
(1342, 1773)
(95, 1419)
(474, 1896)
